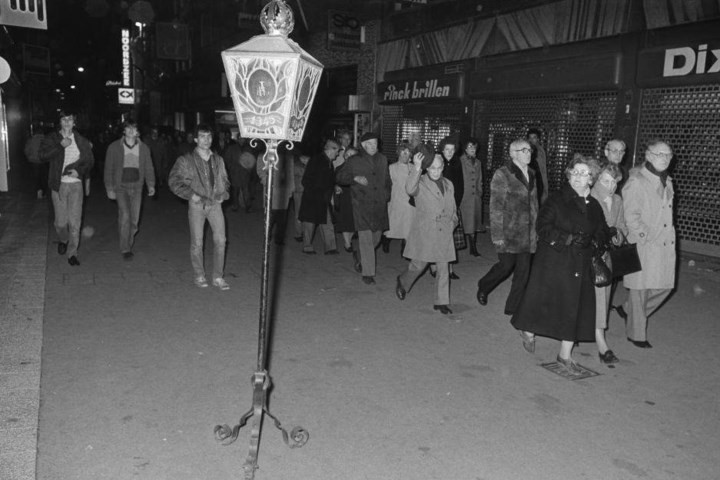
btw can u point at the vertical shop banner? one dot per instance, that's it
(345, 31)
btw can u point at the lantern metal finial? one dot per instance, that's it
(277, 18)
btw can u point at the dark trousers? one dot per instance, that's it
(278, 223)
(507, 263)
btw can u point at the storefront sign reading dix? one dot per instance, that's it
(445, 87)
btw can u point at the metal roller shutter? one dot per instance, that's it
(688, 119)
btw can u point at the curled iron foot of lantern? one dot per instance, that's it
(297, 437)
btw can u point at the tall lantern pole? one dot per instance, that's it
(273, 83)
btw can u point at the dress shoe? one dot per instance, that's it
(357, 265)
(444, 309)
(621, 311)
(298, 238)
(368, 280)
(348, 249)
(332, 252)
(433, 273)
(640, 344)
(453, 276)
(386, 246)
(309, 252)
(608, 357)
(528, 340)
(569, 365)
(399, 290)
(482, 298)
(62, 248)
(127, 256)
(473, 251)
(73, 261)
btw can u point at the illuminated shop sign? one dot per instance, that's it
(697, 62)
(686, 60)
(126, 67)
(447, 87)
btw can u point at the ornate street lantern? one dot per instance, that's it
(272, 82)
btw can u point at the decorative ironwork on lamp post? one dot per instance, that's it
(273, 83)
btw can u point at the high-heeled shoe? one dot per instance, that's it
(569, 365)
(399, 290)
(608, 357)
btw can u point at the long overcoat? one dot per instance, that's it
(318, 183)
(431, 231)
(559, 301)
(369, 201)
(513, 210)
(648, 215)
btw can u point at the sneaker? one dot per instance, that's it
(201, 281)
(221, 284)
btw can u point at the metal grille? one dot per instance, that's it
(688, 118)
(433, 123)
(570, 123)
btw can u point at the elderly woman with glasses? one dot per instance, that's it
(559, 301)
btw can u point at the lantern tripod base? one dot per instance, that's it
(297, 437)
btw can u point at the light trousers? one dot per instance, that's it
(68, 202)
(129, 200)
(368, 240)
(442, 279)
(639, 306)
(327, 232)
(197, 215)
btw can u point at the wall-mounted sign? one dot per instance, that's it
(36, 59)
(173, 41)
(126, 62)
(441, 88)
(344, 31)
(126, 96)
(681, 64)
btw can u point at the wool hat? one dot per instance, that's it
(369, 136)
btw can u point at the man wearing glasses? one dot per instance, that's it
(614, 153)
(513, 213)
(648, 205)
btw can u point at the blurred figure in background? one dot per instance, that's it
(471, 207)
(39, 168)
(400, 211)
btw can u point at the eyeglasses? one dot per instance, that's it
(622, 150)
(661, 154)
(523, 150)
(576, 173)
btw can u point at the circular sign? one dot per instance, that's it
(262, 87)
(142, 12)
(4, 70)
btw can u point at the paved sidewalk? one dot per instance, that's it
(23, 245)
(139, 365)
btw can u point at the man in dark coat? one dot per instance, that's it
(318, 183)
(71, 158)
(513, 213)
(370, 186)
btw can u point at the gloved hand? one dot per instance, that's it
(581, 239)
(612, 231)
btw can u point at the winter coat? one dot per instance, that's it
(114, 161)
(453, 171)
(318, 186)
(189, 175)
(431, 231)
(471, 207)
(559, 301)
(369, 201)
(400, 212)
(513, 210)
(53, 152)
(648, 210)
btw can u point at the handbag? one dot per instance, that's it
(624, 259)
(602, 276)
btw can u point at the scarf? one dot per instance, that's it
(661, 175)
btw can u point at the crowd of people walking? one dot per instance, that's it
(430, 200)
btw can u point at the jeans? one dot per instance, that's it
(129, 200)
(68, 202)
(197, 214)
